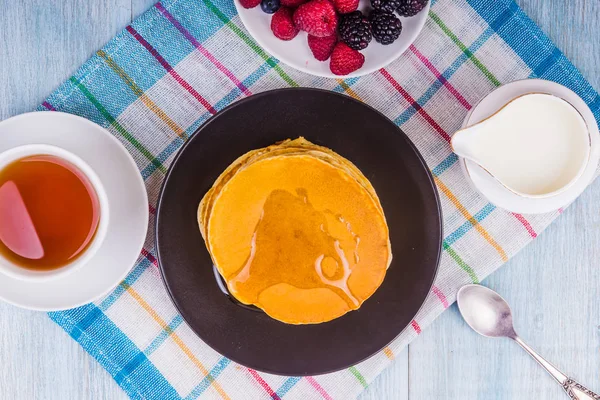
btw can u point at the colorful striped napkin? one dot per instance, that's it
(182, 61)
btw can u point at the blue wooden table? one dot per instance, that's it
(553, 285)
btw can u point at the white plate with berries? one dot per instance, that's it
(334, 38)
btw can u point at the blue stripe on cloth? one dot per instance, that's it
(595, 103)
(104, 84)
(189, 13)
(537, 50)
(445, 164)
(501, 19)
(78, 106)
(129, 280)
(349, 82)
(100, 337)
(162, 34)
(208, 379)
(287, 385)
(141, 66)
(165, 154)
(547, 63)
(94, 313)
(224, 102)
(89, 319)
(164, 334)
(447, 74)
(466, 227)
(130, 367)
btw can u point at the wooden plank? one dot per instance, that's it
(43, 42)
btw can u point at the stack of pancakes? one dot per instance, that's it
(296, 230)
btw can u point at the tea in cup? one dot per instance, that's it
(53, 212)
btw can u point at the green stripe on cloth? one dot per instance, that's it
(461, 263)
(358, 376)
(464, 48)
(250, 43)
(128, 136)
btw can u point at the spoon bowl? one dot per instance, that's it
(485, 311)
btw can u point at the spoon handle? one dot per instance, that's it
(577, 391)
(573, 389)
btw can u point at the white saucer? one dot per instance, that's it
(127, 200)
(493, 190)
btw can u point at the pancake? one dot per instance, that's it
(286, 147)
(296, 230)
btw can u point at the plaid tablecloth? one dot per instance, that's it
(184, 60)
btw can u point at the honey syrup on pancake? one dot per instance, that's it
(296, 230)
(292, 244)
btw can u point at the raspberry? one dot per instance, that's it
(249, 3)
(317, 17)
(345, 60)
(345, 6)
(322, 47)
(408, 8)
(292, 3)
(282, 24)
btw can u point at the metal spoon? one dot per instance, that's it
(489, 315)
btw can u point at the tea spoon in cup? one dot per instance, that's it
(489, 315)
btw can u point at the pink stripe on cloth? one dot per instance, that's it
(48, 106)
(526, 224)
(416, 105)
(318, 388)
(170, 69)
(264, 384)
(416, 326)
(150, 257)
(202, 50)
(440, 77)
(440, 295)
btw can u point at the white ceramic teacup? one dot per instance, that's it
(11, 269)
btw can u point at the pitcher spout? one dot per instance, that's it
(464, 143)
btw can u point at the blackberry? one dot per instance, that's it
(386, 27)
(408, 8)
(355, 30)
(388, 6)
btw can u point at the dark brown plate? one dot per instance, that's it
(408, 196)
